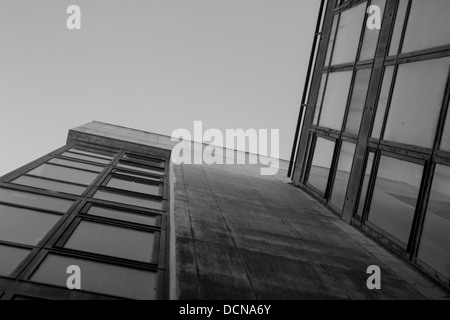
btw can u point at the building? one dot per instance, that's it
(112, 203)
(373, 143)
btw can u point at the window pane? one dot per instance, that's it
(11, 258)
(94, 152)
(348, 36)
(134, 201)
(445, 143)
(398, 28)
(335, 100)
(64, 174)
(84, 157)
(417, 101)
(134, 186)
(321, 164)
(319, 99)
(434, 247)
(343, 174)
(35, 200)
(49, 185)
(99, 277)
(358, 101)
(382, 102)
(428, 25)
(370, 41)
(331, 40)
(122, 215)
(144, 160)
(112, 241)
(395, 197)
(126, 173)
(25, 226)
(90, 154)
(76, 164)
(365, 185)
(137, 167)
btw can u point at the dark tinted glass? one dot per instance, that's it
(134, 186)
(64, 174)
(76, 164)
(35, 200)
(11, 258)
(50, 185)
(134, 201)
(122, 215)
(85, 157)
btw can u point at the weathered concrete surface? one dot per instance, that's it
(240, 235)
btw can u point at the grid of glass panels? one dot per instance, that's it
(117, 237)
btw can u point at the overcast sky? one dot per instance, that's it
(154, 65)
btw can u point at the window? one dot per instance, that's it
(398, 28)
(49, 185)
(141, 176)
(335, 100)
(445, 143)
(85, 157)
(428, 25)
(11, 258)
(417, 101)
(76, 164)
(343, 174)
(139, 167)
(112, 241)
(365, 185)
(25, 226)
(348, 35)
(321, 164)
(94, 152)
(134, 201)
(395, 197)
(122, 215)
(64, 174)
(144, 160)
(319, 99)
(99, 277)
(370, 40)
(382, 102)
(331, 40)
(434, 247)
(134, 185)
(35, 200)
(358, 101)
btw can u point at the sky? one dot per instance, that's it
(152, 65)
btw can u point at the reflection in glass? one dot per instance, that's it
(99, 277)
(365, 186)
(343, 174)
(434, 247)
(445, 143)
(321, 164)
(85, 157)
(144, 160)
(152, 170)
(358, 101)
(134, 186)
(417, 101)
(348, 35)
(35, 200)
(136, 175)
(93, 152)
(398, 28)
(319, 99)
(331, 40)
(134, 201)
(76, 164)
(122, 215)
(49, 185)
(370, 40)
(395, 197)
(64, 174)
(335, 100)
(11, 258)
(428, 25)
(112, 241)
(382, 102)
(25, 226)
